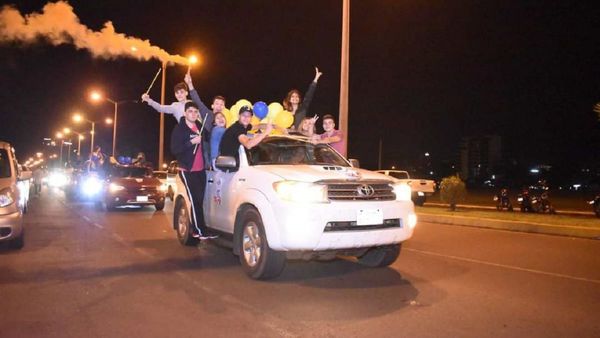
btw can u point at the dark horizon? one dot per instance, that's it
(422, 76)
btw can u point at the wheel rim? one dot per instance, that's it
(251, 244)
(182, 222)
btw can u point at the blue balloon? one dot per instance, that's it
(121, 159)
(128, 160)
(261, 109)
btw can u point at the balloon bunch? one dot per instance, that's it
(262, 114)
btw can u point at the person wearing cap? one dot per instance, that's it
(186, 145)
(236, 135)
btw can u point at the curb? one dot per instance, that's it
(485, 207)
(541, 228)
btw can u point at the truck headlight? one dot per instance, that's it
(91, 186)
(412, 221)
(113, 187)
(302, 192)
(6, 198)
(402, 191)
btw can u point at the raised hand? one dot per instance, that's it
(145, 97)
(188, 80)
(317, 74)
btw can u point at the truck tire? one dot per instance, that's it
(258, 260)
(380, 256)
(419, 200)
(181, 223)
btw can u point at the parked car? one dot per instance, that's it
(168, 181)
(132, 185)
(13, 201)
(291, 199)
(420, 188)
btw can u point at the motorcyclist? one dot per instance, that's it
(502, 200)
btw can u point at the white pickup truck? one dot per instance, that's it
(291, 199)
(420, 188)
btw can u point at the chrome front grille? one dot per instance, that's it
(360, 191)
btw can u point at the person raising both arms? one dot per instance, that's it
(293, 100)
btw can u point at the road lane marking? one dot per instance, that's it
(98, 225)
(87, 218)
(118, 238)
(498, 265)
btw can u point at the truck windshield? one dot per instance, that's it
(4, 164)
(293, 151)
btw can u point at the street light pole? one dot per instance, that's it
(344, 74)
(93, 133)
(114, 143)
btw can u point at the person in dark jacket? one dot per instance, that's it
(186, 145)
(293, 100)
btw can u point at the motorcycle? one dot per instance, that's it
(526, 201)
(544, 204)
(595, 203)
(503, 201)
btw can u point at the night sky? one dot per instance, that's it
(423, 74)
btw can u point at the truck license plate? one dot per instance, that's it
(369, 217)
(142, 198)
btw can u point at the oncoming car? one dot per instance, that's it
(291, 199)
(168, 181)
(132, 185)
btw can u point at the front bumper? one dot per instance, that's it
(333, 226)
(11, 226)
(133, 198)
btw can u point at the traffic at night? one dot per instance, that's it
(328, 168)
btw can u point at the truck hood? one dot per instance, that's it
(313, 173)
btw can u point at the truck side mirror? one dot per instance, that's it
(225, 163)
(354, 162)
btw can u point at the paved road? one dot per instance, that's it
(85, 273)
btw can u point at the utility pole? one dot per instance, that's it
(344, 74)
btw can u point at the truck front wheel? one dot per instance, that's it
(380, 256)
(258, 260)
(182, 224)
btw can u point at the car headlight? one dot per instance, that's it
(115, 187)
(91, 186)
(57, 180)
(412, 221)
(402, 191)
(6, 198)
(302, 192)
(163, 187)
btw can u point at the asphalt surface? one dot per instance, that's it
(89, 273)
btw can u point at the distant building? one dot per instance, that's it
(479, 157)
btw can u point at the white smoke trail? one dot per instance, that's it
(58, 24)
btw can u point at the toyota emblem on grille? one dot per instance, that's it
(365, 190)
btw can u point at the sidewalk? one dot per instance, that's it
(550, 229)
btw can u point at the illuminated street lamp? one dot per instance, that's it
(96, 96)
(78, 118)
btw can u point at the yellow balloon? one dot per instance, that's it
(243, 102)
(274, 109)
(255, 121)
(276, 132)
(284, 119)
